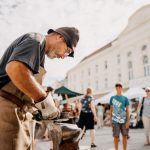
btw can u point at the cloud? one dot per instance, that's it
(99, 22)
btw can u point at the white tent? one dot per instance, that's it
(105, 99)
(135, 92)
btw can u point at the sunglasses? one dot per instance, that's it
(147, 90)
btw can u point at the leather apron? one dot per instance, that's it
(16, 126)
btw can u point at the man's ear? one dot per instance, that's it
(60, 37)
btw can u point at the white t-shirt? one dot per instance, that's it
(146, 109)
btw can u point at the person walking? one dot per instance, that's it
(145, 108)
(21, 72)
(100, 112)
(88, 116)
(119, 116)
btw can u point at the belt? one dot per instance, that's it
(12, 98)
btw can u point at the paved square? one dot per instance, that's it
(104, 140)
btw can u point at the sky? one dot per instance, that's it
(99, 22)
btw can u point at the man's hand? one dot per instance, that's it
(111, 125)
(127, 125)
(111, 109)
(48, 108)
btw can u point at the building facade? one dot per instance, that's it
(126, 59)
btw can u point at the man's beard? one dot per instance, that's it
(51, 54)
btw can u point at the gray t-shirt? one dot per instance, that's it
(29, 49)
(146, 108)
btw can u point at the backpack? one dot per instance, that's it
(140, 122)
(142, 107)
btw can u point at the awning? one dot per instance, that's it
(105, 99)
(65, 91)
(135, 92)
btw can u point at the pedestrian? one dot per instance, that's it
(76, 111)
(21, 71)
(100, 114)
(119, 116)
(145, 112)
(88, 116)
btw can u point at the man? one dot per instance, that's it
(119, 116)
(21, 70)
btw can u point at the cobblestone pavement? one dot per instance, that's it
(104, 140)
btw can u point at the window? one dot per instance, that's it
(129, 54)
(145, 60)
(119, 76)
(89, 72)
(96, 68)
(130, 74)
(144, 47)
(129, 65)
(96, 85)
(118, 58)
(106, 82)
(105, 65)
(146, 66)
(130, 70)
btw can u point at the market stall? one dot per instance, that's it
(68, 110)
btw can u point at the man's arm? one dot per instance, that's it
(127, 116)
(24, 80)
(111, 116)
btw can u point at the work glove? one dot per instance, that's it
(48, 108)
(31, 108)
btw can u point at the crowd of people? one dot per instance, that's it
(115, 114)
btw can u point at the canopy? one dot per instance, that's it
(105, 99)
(63, 90)
(135, 92)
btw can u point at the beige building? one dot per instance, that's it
(126, 59)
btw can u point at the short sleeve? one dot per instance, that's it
(28, 52)
(82, 101)
(111, 101)
(92, 99)
(127, 101)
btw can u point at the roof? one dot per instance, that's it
(97, 51)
